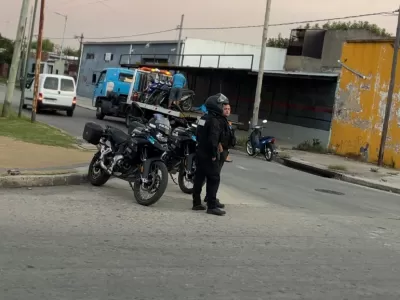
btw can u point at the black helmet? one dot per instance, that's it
(215, 103)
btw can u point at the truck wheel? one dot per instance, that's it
(99, 114)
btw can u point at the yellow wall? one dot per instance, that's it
(360, 103)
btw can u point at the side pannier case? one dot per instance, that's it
(92, 133)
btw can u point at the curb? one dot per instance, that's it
(86, 107)
(42, 180)
(336, 175)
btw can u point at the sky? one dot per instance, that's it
(110, 18)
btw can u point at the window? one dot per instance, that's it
(125, 77)
(89, 55)
(102, 76)
(108, 56)
(51, 83)
(93, 78)
(67, 85)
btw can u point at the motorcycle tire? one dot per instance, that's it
(181, 183)
(100, 177)
(248, 147)
(160, 191)
(269, 153)
(187, 104)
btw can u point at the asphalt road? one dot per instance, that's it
(287, 235)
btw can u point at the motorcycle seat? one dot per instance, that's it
(118, 136)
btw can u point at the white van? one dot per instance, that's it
(56, 92)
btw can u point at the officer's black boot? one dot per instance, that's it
(213, 209)
(218, 203)
(197, 203)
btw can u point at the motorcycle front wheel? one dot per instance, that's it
(249, 149)
(269, 153)
(182, 182)
(96, 175)
(158, 181)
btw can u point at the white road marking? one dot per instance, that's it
(240, 167)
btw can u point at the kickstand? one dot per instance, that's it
(172, 178)
(131, 185)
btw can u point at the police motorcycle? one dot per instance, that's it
(181, 157)
(137, 158)
(181, 153)
(257, 143)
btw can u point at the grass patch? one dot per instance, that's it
(37, 133)
(337, 168)
(314, 146)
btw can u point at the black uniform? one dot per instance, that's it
(226, 141)
(208, 138)
(209, 135)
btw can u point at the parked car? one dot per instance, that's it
(56, 92)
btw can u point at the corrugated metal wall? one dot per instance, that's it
(296, 101)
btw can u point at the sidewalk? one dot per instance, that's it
(341, 168)
(85, 103)
(27, 156)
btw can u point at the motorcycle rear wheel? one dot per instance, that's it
(163, 183)
(96, 175)
(187, 104)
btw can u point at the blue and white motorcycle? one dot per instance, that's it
(261, 144)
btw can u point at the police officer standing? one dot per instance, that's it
(209, 136)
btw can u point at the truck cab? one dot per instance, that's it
(113, 80)
(111, 92)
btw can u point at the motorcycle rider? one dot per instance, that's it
(209, 134)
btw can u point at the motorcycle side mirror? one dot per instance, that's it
(265, 121)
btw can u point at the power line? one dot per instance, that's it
(120, 37)
(293, 23)
(240, 27)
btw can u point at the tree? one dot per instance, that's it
(47, 45)
(351, 25)
(71, 52)
(6, 50)
(278, 42)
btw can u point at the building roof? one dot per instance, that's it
(372, 40)
(131, 42)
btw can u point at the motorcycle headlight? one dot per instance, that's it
(161, 138)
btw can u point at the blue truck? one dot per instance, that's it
(117, 92)
(111, 92)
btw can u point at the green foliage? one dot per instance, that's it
(6, 50)
(314, 146)
(350, 25)
(278, 42)
(71, 52)
(47, 45)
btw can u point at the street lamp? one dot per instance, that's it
(65, 27)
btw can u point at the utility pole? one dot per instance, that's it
(63, 36)
(390, 93)
(15, 59)
(178, 57)
(27, 56)
(38, 61)
(260, 76)
(23, 50)
(80, 56)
